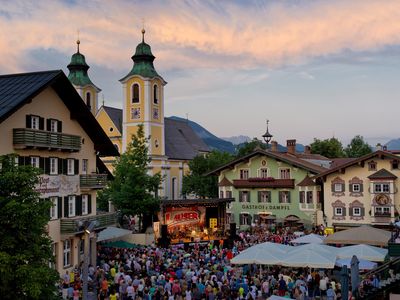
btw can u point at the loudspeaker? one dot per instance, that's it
(232, 230)
(164, 231)
(164, 240)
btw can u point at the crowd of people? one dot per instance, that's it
(201, 272)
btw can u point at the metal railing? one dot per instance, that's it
(26, 137)
(76, 225)
(93, 181)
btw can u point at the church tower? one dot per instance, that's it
(79, 78)
(143, 94)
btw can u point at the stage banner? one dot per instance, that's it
(181, 216)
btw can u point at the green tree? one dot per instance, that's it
(133, 191)
(249, 147)
(25, 248)
(196, 182)
(357, 147)
(331, 148)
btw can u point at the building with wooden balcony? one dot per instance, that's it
(363, 191)
(47, 124)
(271, 186)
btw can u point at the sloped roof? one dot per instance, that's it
(307, 181)
(361, 159)
(115, 115)
(290, 159)
(336, 162)
(382, 174)
(181, 142)
(225, 182)
(18, 89)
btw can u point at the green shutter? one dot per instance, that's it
(240, 196)
(41, 123)
(65, 166)
(259, 196)
(59, 126)
(343, 187)
(362, 209)
(66, 211)
(59, 207)
(28, 121)
(47, 165)
(48, 124)
(289, 200)
(361, 187)
(78, 205)
(351, 211)
(350, 187)
(89, 204)
(76, 167)
(41, 164)
(344, 211)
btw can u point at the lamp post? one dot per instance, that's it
(267, 136)
(85, 273)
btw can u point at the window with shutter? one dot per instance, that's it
(301, 197)
(66, 209)
(309, 197)
(71, 206)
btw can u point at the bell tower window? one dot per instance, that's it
(155, 94)
(88, 99)
(135, 93)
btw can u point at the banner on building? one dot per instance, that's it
(57, 185)
(178, 216)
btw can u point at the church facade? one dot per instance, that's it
(172, 143)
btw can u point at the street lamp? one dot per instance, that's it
(267, 136)
(88, 230)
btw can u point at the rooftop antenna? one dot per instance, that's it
(78, 41)
(103, 99)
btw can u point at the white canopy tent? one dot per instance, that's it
(262, 254)
(311, 238)
(302, 258)
(362, 251)
(111, 233)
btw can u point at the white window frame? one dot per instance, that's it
(382, 210)
(247, 193)
(71, 206)
(67, 253)
(85, 202)
(381, 187)
(263, 173)
(244, 219)
(338, 187)
(244, 174)
(264, 197)
(357, 214)
(53, 165)
(307, 200)
(337, 211)
(35, 122)
(85, 166)
(285, 173)
(70, 166)
(358, 189)
(53, 125)
(35, 161)
(54, 208)
(285, 198)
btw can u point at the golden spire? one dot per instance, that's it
(78, 41)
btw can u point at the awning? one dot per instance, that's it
(111, 233)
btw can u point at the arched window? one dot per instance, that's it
(135, 93)
(88, 99)
(155, 94)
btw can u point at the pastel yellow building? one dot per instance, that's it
(172, 143)
(45, 122)
(362, 191)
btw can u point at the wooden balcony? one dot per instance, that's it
(76, 225)
(24, 138)
(264, 183)
(93, 181)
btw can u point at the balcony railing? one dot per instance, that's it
(33, 138)
(268, 182)
(75, 225)
(93, 181)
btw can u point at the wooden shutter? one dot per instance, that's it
(248, 196)
(269, 196)
(259, 196)
(60, 166)
(41, 123)
(41, 164)
(47, 165)
(301, 197)
(78, 205)
(361, 188)
(59, 126)
(76, 167)
(333, 187)
(351, 211)
(240, 196)
(344, 211)
(89, 204)
(21, 161)
(48, 124)
(28, 121)
(65, 166)
(288, 197)
(66, 210)
(350, 187)
(280, 197)
(362, 210)
(343, 187)
(59, 207)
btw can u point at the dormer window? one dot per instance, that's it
(34, 122)
(244, 174)
(88, 99)
(135, 93)
(155, 94)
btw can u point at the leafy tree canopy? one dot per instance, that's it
(200, 185)
(249, 147)
(357, 147)
(25, 248)
(133, 191)
(331, 148)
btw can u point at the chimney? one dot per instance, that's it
(291, 146)
(274, 146)
(307, 150)
(378, 147)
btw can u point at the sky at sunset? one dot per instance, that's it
(314, 68)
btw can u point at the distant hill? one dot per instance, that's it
(212, 141)
(393, 144)
(236, 140)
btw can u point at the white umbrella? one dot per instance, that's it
(302, 258)
(320, 248)
(362, 251)
(311, 238)
(262, 254)
(111, 233)
(271, 246)
(274, 297)
(363, 264)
